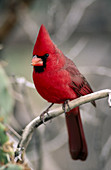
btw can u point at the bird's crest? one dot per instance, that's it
(43, 43)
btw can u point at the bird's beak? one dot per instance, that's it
(36, 61)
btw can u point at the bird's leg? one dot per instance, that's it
(68, 105)
(45, 111)
(64, 106)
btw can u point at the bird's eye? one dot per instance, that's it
(46, 55)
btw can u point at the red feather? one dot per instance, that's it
(77, 142)
(58, 80)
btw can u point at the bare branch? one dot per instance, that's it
(72, 20)
(98, 70)
(21, 81)
(28, 131)
(77, 48)
(13, 131)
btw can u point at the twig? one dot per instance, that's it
(22, 81)
(78, 47)
(72, 20)
(28, 131)
(13, 131)
(37, 145)
(98, 70)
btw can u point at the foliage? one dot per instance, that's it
(12, 167)
(7, 152)
(6, 147)
(3, 136)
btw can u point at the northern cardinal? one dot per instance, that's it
(57, 80)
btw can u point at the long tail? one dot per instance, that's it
(77, 142)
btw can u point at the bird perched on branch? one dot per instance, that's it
(58, 80)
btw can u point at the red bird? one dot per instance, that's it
(57, 80)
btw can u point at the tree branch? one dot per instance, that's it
(72, 20)
(28, 131)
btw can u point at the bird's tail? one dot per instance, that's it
(77, 142)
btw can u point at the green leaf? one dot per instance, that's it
(4, 157)
(3, 135)
(12, 167)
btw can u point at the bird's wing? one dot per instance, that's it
(79, 83)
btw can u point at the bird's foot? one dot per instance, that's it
(64, 106)
(42, 116)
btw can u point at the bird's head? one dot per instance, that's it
(45, 52)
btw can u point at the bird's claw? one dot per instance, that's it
(42, 116)
(64, 106)
(19, 154)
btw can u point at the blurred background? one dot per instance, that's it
(82, 30)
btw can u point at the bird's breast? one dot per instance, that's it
(54, 86)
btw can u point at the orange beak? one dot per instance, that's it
(36, 61)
